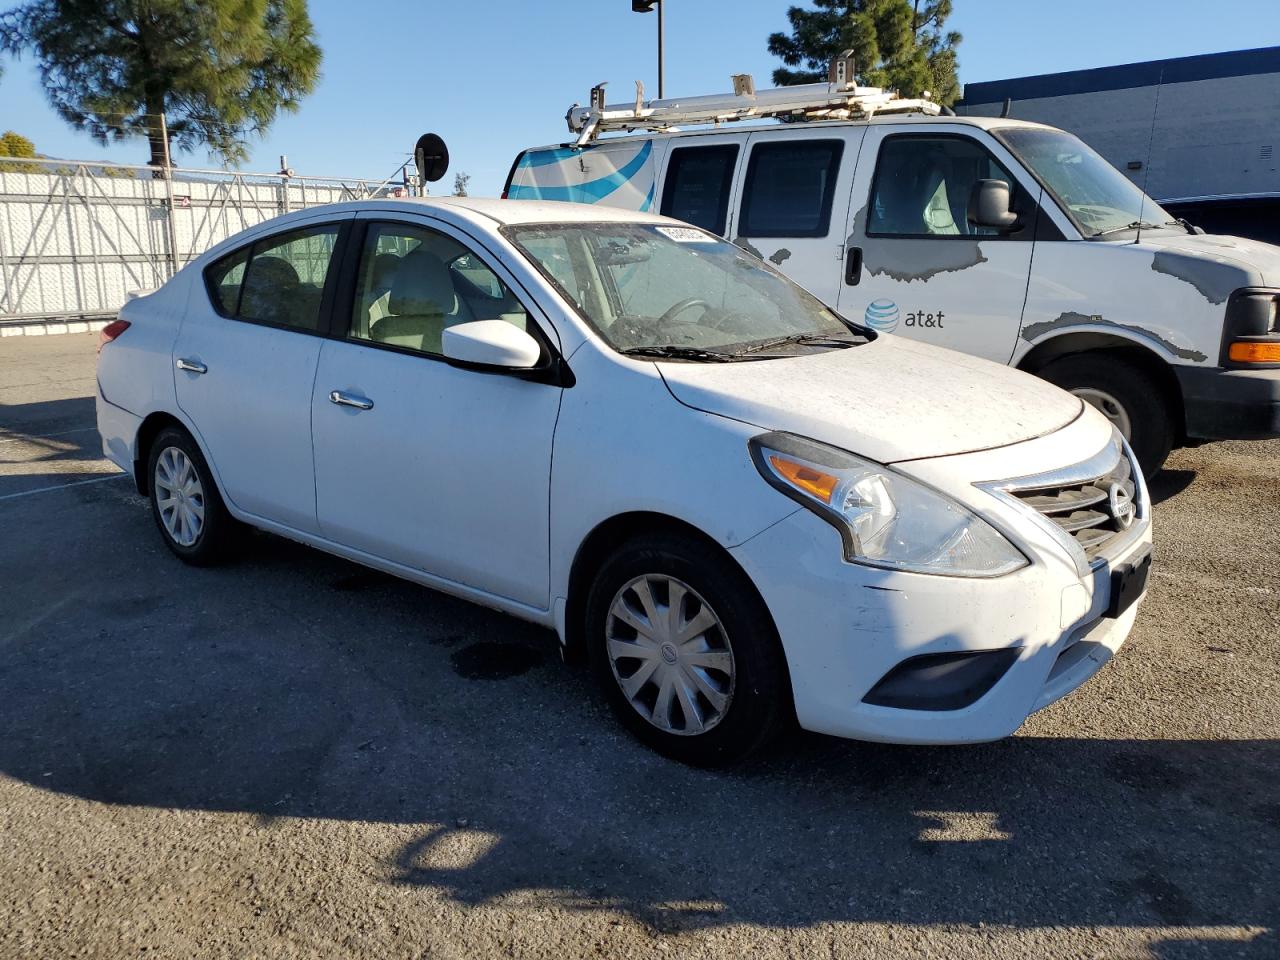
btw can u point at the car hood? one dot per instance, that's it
(889, 400)
(1259, 262)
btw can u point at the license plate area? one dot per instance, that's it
(1128, 581)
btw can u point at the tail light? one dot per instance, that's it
(111, 331)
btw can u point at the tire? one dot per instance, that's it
(195, 539)
(754, 692)
(1133, 395)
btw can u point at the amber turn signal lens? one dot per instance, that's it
(820, 484)
(1245, 351)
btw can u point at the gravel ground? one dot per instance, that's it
(294, 756)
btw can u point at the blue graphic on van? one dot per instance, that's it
(882, 315)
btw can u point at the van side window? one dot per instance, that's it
(697, 185)
(789, 188)
(922, 187)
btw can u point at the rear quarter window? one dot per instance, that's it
(224, 280)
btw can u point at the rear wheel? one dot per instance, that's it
(185, 502)
(1126, 394)
(685, 651)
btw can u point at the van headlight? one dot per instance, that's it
(884, 518)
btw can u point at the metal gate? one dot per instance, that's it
(76, 237)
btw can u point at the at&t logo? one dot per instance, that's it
(882, 315)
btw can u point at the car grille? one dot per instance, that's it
(1086, 510)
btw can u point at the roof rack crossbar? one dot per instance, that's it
(839, 99)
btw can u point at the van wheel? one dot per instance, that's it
(185, 502)
(1125, 394)
(686, 652)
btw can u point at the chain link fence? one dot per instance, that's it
(76, 237)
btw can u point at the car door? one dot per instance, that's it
(419, 460)
(915, 265)
(792, 198)
(245, 361)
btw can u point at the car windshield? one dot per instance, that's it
(1099, 198)
(678, 292)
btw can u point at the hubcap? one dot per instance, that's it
(1109, 406)
(179, 496)
(670, 655)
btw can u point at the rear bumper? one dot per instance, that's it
(119, 431)
(1225, 404)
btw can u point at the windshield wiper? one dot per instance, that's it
(806, 339)
(1136, 225)
(671, 351)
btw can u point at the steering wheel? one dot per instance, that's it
(678, 308)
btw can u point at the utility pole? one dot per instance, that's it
(168, 184)
(646, 6)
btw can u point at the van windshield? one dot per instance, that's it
(678, 292)
(1099, 198)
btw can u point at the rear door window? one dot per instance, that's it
(279, 280)
(697, 185)
(789, 188)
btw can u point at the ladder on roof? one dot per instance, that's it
(840, 98)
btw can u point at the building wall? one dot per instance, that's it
(1195, 134)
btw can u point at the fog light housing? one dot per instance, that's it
(942, 681)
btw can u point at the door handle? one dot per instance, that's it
(853, 266)
(350, 400)
(191, 366)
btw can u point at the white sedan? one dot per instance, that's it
(741, 507)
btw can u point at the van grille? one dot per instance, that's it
(1087, 510)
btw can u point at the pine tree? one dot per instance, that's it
(899, 44)
(218, 70)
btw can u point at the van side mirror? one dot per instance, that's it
(491, 343)
(989, 205)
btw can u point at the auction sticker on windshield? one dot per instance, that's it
(685, 235)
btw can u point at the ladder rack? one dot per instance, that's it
(836, 100)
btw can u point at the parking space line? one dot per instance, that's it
(46, 436)
(59, 486)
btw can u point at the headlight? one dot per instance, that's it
(885, 519)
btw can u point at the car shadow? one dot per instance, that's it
(293, 684)
(1168, 483)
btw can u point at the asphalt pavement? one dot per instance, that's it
(292, 756)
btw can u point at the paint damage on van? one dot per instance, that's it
(921, 259)
(779, 256)
(1215, 281)
(1035, 331)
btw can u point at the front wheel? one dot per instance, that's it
(686, 652)
(1127, 395)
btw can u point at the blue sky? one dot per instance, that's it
(493, 77)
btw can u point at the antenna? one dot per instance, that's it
(1146, 172)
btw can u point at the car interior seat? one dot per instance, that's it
(422, 303)
(273, 294)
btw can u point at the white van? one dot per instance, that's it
(1009, 240)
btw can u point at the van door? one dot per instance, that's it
(793, 202)
(915, 264)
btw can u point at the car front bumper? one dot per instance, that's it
(1223, 404)
(845, 627)
(947, 659)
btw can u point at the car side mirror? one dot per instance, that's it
(491, 343)
(989, 205)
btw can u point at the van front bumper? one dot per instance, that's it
(887, 656)
(1224, 404)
